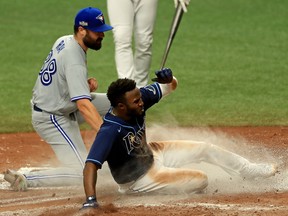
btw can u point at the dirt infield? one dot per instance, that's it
(225, 195)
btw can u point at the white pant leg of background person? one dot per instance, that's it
(121, 17)
(145, 16)
(166, 176)
(125, 16)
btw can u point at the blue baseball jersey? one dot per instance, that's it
(123, 145)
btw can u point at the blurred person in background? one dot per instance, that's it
(134, 18)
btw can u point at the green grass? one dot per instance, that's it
(232, 60)
(230, 57)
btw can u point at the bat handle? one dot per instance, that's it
(178, 13)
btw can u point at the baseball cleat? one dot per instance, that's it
(254, 170)
(18, 181)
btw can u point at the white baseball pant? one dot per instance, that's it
(130, 17)
(63, 134)
(166, 177)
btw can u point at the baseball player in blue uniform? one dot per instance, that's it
(140, 167)
(63, 98)
(134, 19)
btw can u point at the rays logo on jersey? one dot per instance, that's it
(134, 141)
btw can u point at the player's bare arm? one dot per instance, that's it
(90, 113)
(173, 84)
(89, 181)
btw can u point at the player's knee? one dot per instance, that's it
(204, 182)
(144, 43)
(206, 148)
(122, 36)
(197, 184)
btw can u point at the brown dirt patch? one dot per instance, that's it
(28, 150)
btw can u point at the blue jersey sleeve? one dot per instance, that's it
(102, 145)
(151, 94)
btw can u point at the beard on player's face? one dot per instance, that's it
(92, 43)
(134, 111)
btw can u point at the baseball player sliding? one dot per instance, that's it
(62, 99)
(140, 167)
(133, 20)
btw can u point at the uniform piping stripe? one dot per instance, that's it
(94, 161)
(66, 137)
(53, 176)
(81, 97)
(114, 122)
(159, 91)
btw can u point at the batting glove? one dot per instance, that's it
(184, 4)
(91, 202)
(163, 76)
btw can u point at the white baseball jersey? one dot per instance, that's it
(63, 78)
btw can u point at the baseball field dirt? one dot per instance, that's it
(225, 194)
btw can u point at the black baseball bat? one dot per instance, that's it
(174, 27)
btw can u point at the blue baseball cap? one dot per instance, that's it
(91, 19)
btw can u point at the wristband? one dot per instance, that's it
(91, 202)
(91, 198)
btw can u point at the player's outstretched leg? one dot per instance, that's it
(177, 153)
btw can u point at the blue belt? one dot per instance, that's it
(71, 115)
(37, 108)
